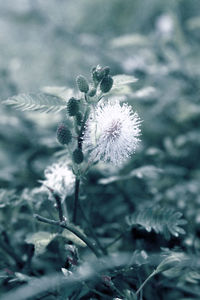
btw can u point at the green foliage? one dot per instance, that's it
(40, 102)
(40, 240)
(123, 79)
(150, 172)
(7, 198)
(154, 42)
(160, 219)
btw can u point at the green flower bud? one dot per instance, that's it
(72, 107)
(79, 119)
(78, 156)
(82, 84)
(99, 73)
(106, 84)
(106, 71)
(92, 92)
(64, 135)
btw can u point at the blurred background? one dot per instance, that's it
(44, 43)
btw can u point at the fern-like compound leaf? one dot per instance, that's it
(37, 101)
(160, 219)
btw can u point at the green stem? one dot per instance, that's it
(72, 229)
(143, 284)
(59, 207)
(76, 199)
(115, 240)
(77, 183)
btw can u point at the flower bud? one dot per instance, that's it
(82, 84)
(92, 92)
(64, 135)
(72, 107)
(99, 73)
(106, 84)
(78, 156)
(106, 71)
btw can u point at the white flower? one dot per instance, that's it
(60, 179)
(112, 132)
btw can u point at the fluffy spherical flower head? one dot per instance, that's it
(60, 179)
(112, 132)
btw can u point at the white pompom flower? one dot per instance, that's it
(59, 179)
(112, 132)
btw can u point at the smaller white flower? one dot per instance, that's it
(60, 179)
(112, 132)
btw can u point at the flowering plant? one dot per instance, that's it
(97, 128)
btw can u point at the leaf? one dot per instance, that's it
(160, 219)
(73, 238)
(193, 23)
(146, 92)
(122, 79)
(192, 277)
(170, 262)
(58, 91)
(139, 258)
(40, 240)
(8, 197)
(37, 101)
(146, 171)
(22, 277)
(129, 40)
(187, 111)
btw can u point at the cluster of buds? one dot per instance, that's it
(104, 130)
(101, 76)
(101, 83)
(97, 129)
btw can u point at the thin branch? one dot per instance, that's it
(72, 229)
(115, 240)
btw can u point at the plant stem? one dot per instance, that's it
(81, 134)
(59, 207)
(146, 280)
(115, 240)
(72, 229)
(76, 199)
(77, 183)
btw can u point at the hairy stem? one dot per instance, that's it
(72, 229)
